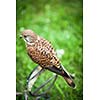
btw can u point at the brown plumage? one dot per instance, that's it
(42, 53)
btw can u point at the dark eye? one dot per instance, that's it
(25, 36)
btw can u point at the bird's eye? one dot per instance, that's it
(25, 36)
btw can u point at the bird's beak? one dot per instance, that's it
(20, 36)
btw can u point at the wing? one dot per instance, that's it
(43, 53)
(61, 71)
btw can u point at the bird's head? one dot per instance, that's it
(29, 36)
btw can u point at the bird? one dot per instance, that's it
(42, 53)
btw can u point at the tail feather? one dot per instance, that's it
(63, 72)
(68, 79)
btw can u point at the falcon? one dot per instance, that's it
(41, 52)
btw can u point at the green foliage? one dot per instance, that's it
(60, 22)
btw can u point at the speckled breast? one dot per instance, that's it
(42, 53)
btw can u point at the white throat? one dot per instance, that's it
(27, 41)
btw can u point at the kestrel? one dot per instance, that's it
(42, 53)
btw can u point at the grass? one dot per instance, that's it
(60, 22)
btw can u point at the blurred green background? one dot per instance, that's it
(60, 22)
